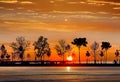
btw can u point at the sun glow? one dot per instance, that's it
(69, 58)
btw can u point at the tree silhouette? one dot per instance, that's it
(79, 42)
(28, 56)
(94, 47)
(117, 54)
(49, 53)
(62, 47)
(3, 51)
(3, 48)
(8, 56)
(101, 55)
(42, 47)
(87, 55)
(20, 46)
(106, 46)
(13, 56)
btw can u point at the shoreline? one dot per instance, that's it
(61, 65)
(55, 63)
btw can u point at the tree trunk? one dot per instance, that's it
(79, 55)
(101, 60)
(106, 56)
(94, 57)
(43, 58)
(63, 57)
(35, 58)
(12, 57)
(117, 60)
(40, 58)
(87, 60)
(104, 59)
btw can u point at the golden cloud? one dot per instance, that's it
(104, 2)
(8, 1)
(26, 2)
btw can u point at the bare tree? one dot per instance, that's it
(20, 46)
(62, 47)
(41, 46)
(94, 47)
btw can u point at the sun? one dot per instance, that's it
(69, 58)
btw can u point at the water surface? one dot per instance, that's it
(65, 74)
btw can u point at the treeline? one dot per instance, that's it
(42, 48)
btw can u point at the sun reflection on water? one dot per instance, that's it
(68, 69)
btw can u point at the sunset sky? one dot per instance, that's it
(97, 20)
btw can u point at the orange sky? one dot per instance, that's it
(97, 20)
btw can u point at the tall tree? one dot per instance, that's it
(87, 55)
(94, 47)
(101, 55)
(42, 47)
(62, 47)
(106, 46)
(20, 46)
(79, 42)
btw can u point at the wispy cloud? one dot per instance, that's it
(116, 8)
(26, 2)
(111, 2)
(8, 1)
(59, 16)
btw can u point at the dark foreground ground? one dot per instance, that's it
(80, 65)
(51, 63)
(59, 65)
(63, 81)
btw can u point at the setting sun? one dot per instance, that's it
(69, 58)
